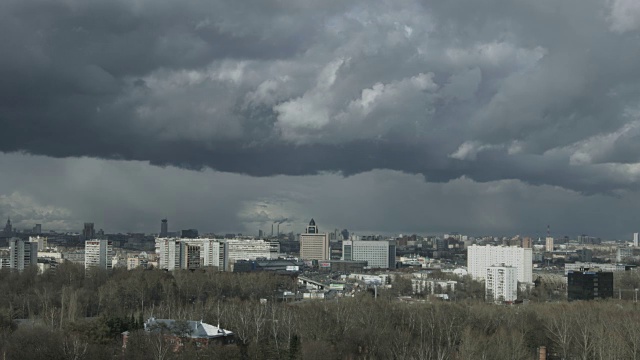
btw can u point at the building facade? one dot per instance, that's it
(479, 258)
(501, 284)
(589, 285)
(313, 244)
(164, 228)
(98, 254)
(88, 232)
(177, 253)
(377, 254)
(22, 254)
(548, 246)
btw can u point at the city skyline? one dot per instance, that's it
(482, 117)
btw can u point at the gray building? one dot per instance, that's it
(22, 254)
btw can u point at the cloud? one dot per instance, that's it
(487, 90)
(625, 15)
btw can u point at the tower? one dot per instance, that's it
(549, 241)
(8, 228)
(22, 254)
(98, 253)
(89, 232)
(313, 244)
(164, 228)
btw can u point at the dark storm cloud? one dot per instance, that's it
(538, 91)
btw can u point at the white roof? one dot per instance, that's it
(198, 329)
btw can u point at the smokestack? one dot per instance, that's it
(278, 229)
(271, 229)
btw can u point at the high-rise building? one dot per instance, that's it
(37, 229)
(313, 244)
(8, 228)
(22, 254)
(635, 239)
(98, 254)
(88, 232)
(527, 243)
(501, 283)
(479, 258)
(589, 285)
(43, 242)
(377, 253)
(176, 253)
(164, 228)
(549, 244)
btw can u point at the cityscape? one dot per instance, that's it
(300, 180)
(321, 266)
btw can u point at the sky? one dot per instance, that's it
(404, 116)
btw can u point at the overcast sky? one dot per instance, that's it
(403, 116)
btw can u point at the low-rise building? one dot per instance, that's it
(181, 332)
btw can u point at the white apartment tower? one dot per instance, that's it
(313, 244)
(98, 253)
(549, 244)
(377, 254)
(501, 283)
(22, 254)
(635, 239)
(479, 258)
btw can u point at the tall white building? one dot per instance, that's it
(22, 254)
(501, 283)
(635, 239)
(479, 258)
(98, 253)
(548, 246)
(377, 254)
(313, 244)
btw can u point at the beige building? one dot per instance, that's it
(313, 244)
(549, 244)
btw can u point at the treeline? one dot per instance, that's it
(73, 315)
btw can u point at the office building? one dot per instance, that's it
(244, 249)
(98, 254)
(37, 229)
(589, 285)
(479, 258)
(377, 253)
(88, 232)
(501, 283)
(549, 244)
(635, 239)
(22, 254)
(164, 228)
(313, 244)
